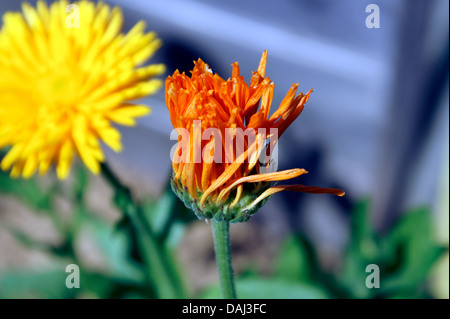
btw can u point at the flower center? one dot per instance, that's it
(55, 93)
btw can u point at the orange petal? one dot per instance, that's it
(263, 64)
(285, 123)
(259, 75)
(267, 177)
(222, 179)
(266, 101)
(295, 188)
(239, 191)
(229, 171)
(236, 70)
(284, 106)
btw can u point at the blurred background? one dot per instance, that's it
(376, 126)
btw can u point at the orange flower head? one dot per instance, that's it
(212, 115)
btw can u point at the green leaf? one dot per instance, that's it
(103, 286)
(114, 246)
(293, 261)
(158, 212)
(175, 235)
(352, 279)
(363, 238)
(412, 248)
(27, 241)
(258, 288)
(28, 191)
(81, 182)
(362, 250)
(160, 216)
(28, 283)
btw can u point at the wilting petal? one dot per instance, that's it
(295, 188)
(267, 177)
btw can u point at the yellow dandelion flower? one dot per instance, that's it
(66, 78)
(231, 190)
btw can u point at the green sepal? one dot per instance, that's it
(222, 211)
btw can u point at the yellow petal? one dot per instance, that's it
(65, 159)
(12, 156)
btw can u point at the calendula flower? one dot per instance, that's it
(230, 189)
(66, 77)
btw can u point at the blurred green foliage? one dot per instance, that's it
(139, 259)
(124, 274)
(404, 257)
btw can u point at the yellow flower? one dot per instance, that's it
(235, 189)
(63, 84)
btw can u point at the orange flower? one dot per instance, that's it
(237, 184)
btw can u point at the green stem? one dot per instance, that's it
(152, 253)
(223, 258)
